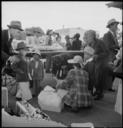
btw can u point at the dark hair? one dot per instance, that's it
(77, 65)
(77, 35)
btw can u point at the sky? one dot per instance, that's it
(56, 15)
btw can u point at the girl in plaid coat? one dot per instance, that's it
(76, 83)
(36, 71)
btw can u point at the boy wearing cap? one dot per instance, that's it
(110, 39)
(20, 66)
(36, 70)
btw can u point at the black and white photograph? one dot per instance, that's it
(61, 64)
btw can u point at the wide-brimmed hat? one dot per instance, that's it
(112, 21)
(21, 45)
(75, 60)
(89, 50)
(15, 25)
(36, 52)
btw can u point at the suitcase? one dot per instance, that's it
(4, 97)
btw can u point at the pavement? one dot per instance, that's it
(102, 113)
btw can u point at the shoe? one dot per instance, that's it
(99, 97)
(111, 90)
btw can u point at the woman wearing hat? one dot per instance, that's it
(76, 83)
(21, 67)
(36, 70)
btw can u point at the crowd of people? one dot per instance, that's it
(87, 79)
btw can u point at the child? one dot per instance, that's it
(89, 66)
(36, 71)
(20, 66)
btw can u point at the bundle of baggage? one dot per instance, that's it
(27, 110)
(8, 79)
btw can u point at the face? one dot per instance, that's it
(36, 56)
(86, 56)
(88, 38)
(38, 34)
(114, 27)
(15, 33)
(23, 52)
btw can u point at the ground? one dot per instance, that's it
(102, 113)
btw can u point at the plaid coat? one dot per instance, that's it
(76, 83)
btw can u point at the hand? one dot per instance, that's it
(13, 59)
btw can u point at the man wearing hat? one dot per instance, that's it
(110, 38)
(7, 37)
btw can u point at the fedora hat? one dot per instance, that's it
(89, 50)
(15, 25)
(21, 45)
(76, 59)
(111, 21)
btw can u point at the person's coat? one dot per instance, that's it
(36, 73)
(5, 46)
(111, 43)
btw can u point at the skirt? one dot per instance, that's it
(24, 91)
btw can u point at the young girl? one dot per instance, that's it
(36, 71)
(20, 66)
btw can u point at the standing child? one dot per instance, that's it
(89, 66)
(20, 66)
(36, 70)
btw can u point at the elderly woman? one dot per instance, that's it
(103, 79)
(76, 83)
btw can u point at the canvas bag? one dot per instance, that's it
(49, 100)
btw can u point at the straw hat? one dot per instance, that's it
(89, 50)
(111, 21)
(15, 25)
(76, 59)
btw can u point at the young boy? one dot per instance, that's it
(36, 70)
(20, 66)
